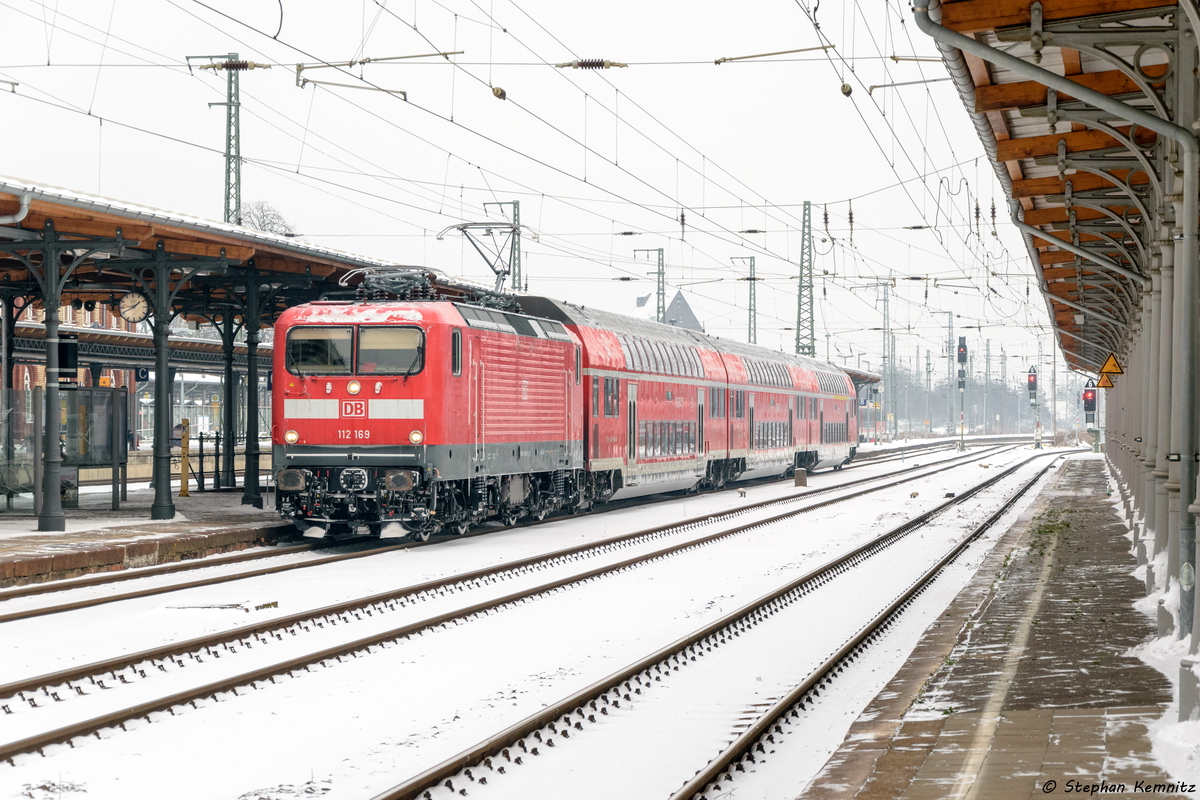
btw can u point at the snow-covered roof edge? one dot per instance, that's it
(133, 211)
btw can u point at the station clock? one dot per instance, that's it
(134, 307)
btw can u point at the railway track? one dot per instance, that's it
(633, 687)
(138, 573)
(62, 688)
(108, 578)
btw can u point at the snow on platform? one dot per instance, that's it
(1033, 682)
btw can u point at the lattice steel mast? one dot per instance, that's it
(514, 250)
(233, 134)
(661, 290)
(805, 336)
(753, 322)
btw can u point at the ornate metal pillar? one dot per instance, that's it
(228, 405)
(163, 506)
(252, 495)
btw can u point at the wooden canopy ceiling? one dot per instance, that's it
(309, 269)
(1079, 177)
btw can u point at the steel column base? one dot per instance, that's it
(56, 522)
(1189, 691)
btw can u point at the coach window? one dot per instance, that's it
(673, 354)
(319, 351)
(641, 357)
(612, 397)
(659, 360)
(456, 352)
(595, 397)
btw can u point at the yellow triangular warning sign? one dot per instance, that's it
(1105, 382)
(1111, 367)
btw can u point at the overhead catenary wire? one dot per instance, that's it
(701, 247)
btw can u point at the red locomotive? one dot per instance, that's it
(416, 416)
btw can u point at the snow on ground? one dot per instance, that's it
(664, 736)
(356, 727)
(1176, 744)
(807, 743)
(27, 651)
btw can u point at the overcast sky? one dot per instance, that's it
(105, 103)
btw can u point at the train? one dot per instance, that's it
(406, 413)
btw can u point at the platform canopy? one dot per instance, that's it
(128, 233)
(1080, 104)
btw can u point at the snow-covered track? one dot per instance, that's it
(716, 777)
(505, 749)
(24, 695)
(227, 577)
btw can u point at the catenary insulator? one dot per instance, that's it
(590, 63)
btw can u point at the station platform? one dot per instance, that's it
(1026, 686)
(99, 539)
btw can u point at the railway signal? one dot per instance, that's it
(1037, 425)
(962, 392)
(1090, 410)
(1089, 403)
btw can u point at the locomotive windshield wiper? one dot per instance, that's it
(415, 366)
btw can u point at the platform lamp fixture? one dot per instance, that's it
(1037, 425)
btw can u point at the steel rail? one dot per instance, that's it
(68, 584)
(220, 638)
(496, 745)
(743, 745)
(66, 733)
(254, 573)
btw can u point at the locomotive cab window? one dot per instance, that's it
(390, 351)
(319, 351)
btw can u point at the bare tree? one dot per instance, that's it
(262, 216)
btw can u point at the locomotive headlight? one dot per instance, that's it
(416, 437)
(291, 437)
(353, 387)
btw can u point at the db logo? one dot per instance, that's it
(354, 408)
